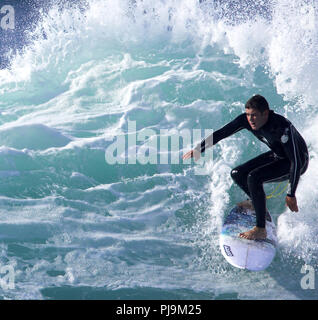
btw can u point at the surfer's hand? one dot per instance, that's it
(291, 203)
(192, 154)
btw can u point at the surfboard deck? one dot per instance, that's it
(254, 255)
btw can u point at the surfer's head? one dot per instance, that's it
(257, 110)
(257, 102)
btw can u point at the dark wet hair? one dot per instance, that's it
(257, 102)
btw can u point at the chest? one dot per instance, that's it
(269, 137)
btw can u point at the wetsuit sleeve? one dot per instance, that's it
(232, 127)
(291, 149)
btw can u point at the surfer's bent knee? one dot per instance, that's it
(236, 174)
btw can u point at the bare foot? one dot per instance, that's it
(254, 234)
(247, 204)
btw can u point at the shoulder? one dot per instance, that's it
(241, 119)
(278, 122)
(239, 123)
(280, 127)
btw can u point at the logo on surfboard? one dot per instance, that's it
(228, 251)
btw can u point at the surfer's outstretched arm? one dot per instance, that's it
(232, 127)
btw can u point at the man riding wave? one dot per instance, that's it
(287, 159)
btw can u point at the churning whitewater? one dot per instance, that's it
(79, 221)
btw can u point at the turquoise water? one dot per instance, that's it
(73, 225)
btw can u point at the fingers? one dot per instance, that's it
(192, 154)
(295, 207)
(188, 155)
(292, 205)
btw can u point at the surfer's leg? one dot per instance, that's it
(271, 172)
(240, 173)
(274, 171)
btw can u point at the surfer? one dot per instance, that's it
(287, 159)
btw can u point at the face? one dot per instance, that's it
(255, 118)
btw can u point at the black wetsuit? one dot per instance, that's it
(287, 160)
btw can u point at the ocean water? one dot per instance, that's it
(86, 75)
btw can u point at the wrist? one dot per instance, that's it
(197, 149)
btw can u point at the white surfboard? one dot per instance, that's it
(254, 255)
